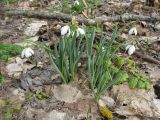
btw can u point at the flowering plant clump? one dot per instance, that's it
(100, 73)
(75, 41)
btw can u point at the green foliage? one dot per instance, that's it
(121, 77)
(138, 81)
(133, 82)
(135, 79)
(120, 61)
(77, 8)
(8, 2)
(98, 29)
(65, 57)
(8, 112)
(9, 50)
(99, 61)
(1, 79)
(67, 6)
(41, 95)
(103, 73)
(2, 102)
(9, 109)
(28, 95)
(92, 3)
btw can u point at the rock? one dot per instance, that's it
(17, 65)
(46, 75)
(28, 83)
(133, 118)
(55, 115)
(109, 102)
(156, 106)
(34, 27)
(18, 94)
(14, 67)
(32, 113)
(154, 73)
(136, 102)
(66, 93)
(157, 26)
(40, 64)
(32, 39)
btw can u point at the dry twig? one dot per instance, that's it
(66, 17)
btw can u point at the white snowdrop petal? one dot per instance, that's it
(23, 53)
(101, 103)
(31, 51)
(133, 31)
(65, 30)
(128, 46)
(76, 2)
(131, 50)
(28, 54)
(81, 31)
(69, 32)
(103, 49)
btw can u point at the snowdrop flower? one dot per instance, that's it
(101, 103)
(27, 52)
(80, 31)
(132, 31)
(76, 2)
(65, 30)
(130, 49)
(103, 49)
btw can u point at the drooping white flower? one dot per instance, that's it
(103, 49)
(101, 103)
(76, 2)
(132, 31)
(80, 31)
(130, 49)
(65, 30)
(27, 52)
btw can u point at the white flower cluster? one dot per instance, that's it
(131, 48)
(65, 30)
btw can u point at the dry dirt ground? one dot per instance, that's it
(76, 101)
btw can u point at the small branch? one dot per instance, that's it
(66, 17)
(147, 58)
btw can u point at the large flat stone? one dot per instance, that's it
(67, 93)
(55, 115)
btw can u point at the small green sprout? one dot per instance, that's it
(41, 95)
